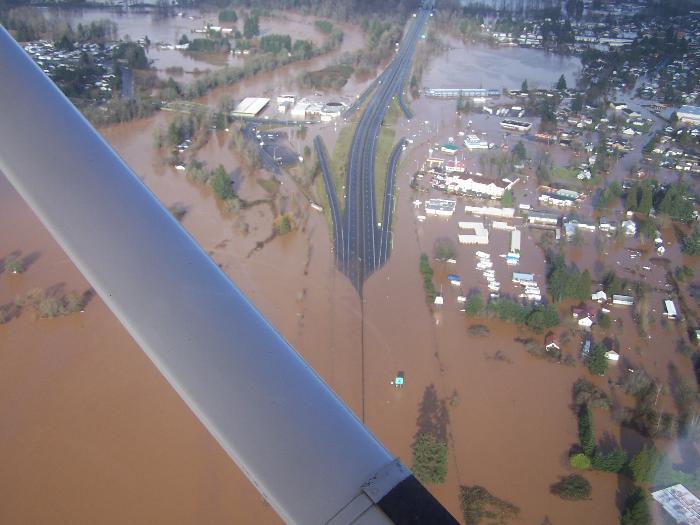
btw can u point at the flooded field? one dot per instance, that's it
(93, 432)
(168, 29)
(481, 66)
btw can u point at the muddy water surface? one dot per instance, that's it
(104, 435)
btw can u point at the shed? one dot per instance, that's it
(586, 322)
(670, 312)
(625, 300)
(551, 343)
(599, 296)
(612, 355)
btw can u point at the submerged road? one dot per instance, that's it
(362, 245)
(388, 208)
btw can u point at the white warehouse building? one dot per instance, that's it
(491, 188)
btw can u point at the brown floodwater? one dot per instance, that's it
(482, 66)
(93, 433)
(168, 29)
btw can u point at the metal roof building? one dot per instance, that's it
(250, 107)
(681, 504)
(461, 92)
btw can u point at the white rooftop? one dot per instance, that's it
(689, 110)
(251, 106)
(681, 504)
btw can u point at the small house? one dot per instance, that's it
(625, 300)
(671, 311)
(585, 322)
(599, 296)
(612, 355)
(629, 227)
(449, 149)
(551, 343)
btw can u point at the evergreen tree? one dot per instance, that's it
(429, 460)
(507, 199)
(251, 26)
(632, 199)
(519, 152)
(577, 103)
(474, 306)
(596, 362)
(613, 461)
(644, 465)
(221, 184)
(645, 200)
(691, 243)
(228, 15)
(637, 509)
(573, 487)
(585, 430)
(523, 86)
(561, 83)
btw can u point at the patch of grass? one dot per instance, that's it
(562, 172)
(393, 113)
(331, 77)
(385, 144)
(338, 163)
(269, 185)
(478, 330)
(322, 199)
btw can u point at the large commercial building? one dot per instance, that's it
(516, 125)
(461, 92)
(441, 207)
(251, 106)
(469, 185)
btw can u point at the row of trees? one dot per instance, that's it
(301, 50)
(607, 195)
(535, 317)
(228, 15)
(691, 242)
(251, 26)
(567, 283)
(29, 23)
(674, 200)
(427, 273)
(647, 467)
(478, 504)
(324, 26)
(219, 181)
(46, 304)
